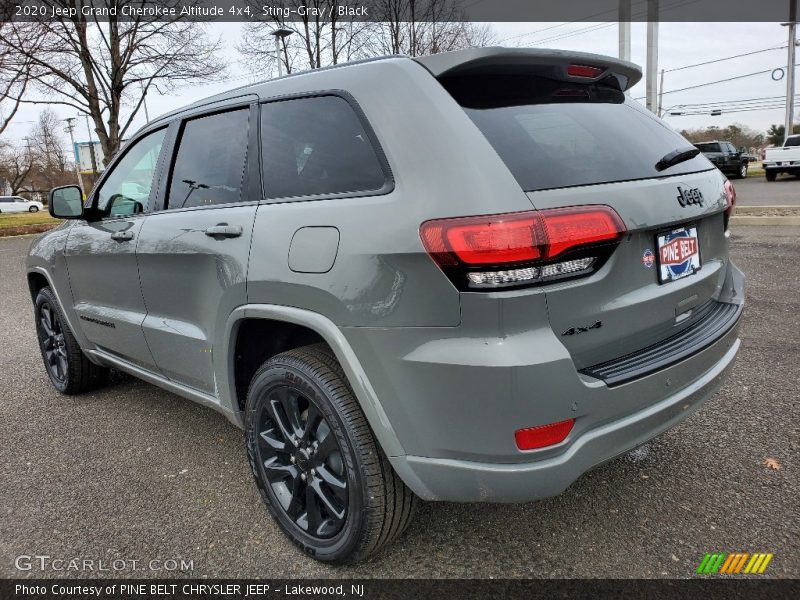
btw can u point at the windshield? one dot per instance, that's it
(553, 134)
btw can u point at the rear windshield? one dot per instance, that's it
(793, 141)
(553, 134)
(708, 147)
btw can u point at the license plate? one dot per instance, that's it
(678, 254)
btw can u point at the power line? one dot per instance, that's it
(693, 87)
(709, 62)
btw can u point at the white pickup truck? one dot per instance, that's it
(783, 159)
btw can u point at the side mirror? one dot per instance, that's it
(66, 202)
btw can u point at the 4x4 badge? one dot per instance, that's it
(689, 196)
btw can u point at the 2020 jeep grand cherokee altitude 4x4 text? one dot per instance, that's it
(469, 276)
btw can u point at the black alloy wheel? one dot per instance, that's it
(321, 473)
(302, 461)
(53, 344)
(69, 370)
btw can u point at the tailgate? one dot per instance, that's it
(625, 297)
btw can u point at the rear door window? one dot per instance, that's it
(317, 146)
(209, 165)
(553, 134)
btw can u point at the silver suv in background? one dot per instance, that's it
(468, 277)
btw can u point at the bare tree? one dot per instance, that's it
(16, 164)
(15, 70)
(47, 149)
(105, 69)
(321, 37)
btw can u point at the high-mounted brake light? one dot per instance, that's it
(730, 201)
(533, 438)
(584, 71)
(521, 248)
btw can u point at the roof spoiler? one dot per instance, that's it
(555, 64)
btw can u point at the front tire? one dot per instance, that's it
(742, 174)
(315, 460)
(33, 209)
(67, 366)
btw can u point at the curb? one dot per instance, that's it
(790, 220)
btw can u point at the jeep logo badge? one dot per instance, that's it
(689, 196)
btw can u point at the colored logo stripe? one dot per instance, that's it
(734, 563)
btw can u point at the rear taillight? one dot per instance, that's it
(522, 248)
(730, 201)
(533, 438)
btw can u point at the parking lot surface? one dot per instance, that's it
(131, 472)
(757, 191)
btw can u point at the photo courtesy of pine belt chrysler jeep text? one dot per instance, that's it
(470, 276)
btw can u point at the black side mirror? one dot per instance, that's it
(66, 202)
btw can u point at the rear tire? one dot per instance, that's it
(33, 209)
(69, 370)
(770, 176)
(315, 460)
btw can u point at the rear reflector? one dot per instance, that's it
(544, 435)
(584, 71)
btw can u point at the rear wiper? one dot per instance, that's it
(675, 157)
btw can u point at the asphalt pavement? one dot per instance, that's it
(757, 191)
(133, 473)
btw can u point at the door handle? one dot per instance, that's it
(223, 230)
(122, 236)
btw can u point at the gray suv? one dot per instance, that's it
(468, 277)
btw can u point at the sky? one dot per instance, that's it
(680, 44)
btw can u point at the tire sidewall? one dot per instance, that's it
(290, 372)
(45, 296)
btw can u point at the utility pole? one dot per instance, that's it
(70, 129)
(144, 102)
(652, 55)
(624, 29)
(91, 151)
(660, 91)
(792, 24)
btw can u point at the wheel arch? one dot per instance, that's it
(298, 327)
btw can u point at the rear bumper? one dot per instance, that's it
(466, 481)
(454, 397)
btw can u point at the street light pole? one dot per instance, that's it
(70, 129)
(792, 24)
(280, 34)
(91, 150)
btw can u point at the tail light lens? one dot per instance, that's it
(534, 438)
(522, 248)
(730, 201)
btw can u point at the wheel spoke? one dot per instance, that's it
(313, 421)
(326, 444)
(328, 500)
(280, 418)
(275, 471)
(47, 320)
(313, 515)
(296, 486)
(270, 439)
(337, 484)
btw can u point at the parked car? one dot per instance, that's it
(783, 159)
(401, 278)
(15, 204)
(726, 157)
